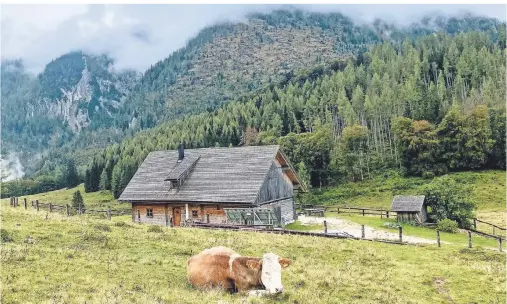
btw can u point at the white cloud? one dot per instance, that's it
(140, 35)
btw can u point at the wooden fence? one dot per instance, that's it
(67, 209)
(495, 227)
(313, 209)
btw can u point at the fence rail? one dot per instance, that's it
(68, 209)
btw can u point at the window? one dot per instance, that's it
(149, 212)
(194, 213)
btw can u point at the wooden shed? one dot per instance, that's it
(410, 208)
(172, 186)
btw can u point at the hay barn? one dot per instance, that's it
(172, 186)
(410, 208)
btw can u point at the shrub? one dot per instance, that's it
(447, 225)
(103, 227)
(448, 199)
(5, 235)
(155, 228)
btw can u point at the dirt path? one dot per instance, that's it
(340, 225)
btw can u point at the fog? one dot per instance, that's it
(137, 36)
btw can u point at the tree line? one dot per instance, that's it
(354, 118)
(433, 105)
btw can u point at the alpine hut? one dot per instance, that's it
(410, 208)
(202, 184)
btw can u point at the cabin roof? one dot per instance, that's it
(217, 175)
(407, 203)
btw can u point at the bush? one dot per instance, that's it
(447, 225)
(155, 228)
(448, 199)
(5, 235)
(103, 227)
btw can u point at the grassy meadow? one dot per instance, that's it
(82, 259)
(488, 192)
(100, 199)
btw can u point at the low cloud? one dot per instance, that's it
(11, 168)
(137, 36)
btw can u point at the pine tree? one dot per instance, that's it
(70, 175)
(77, 200)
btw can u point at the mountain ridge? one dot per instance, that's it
(213, 68)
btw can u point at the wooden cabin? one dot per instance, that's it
(410, 208)
(172, 186)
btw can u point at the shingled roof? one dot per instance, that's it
(408, 203)
(221, 175)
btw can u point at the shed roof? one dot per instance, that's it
(407, 203)
(221, 175)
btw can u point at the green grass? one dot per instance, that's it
(299, 227)
(77, 260)
(488, 191)
(459, 239)
(100, 199)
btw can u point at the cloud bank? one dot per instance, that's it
(137, 36)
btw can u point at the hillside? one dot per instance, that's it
(74, 92)
(98, 261)
(488, 192)
(90, 105)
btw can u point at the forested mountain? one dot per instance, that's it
(315, 81)
(74, 92)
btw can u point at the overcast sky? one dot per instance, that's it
(139, 35)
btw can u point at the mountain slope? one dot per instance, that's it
(90, 105)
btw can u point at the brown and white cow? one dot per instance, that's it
(222, 267)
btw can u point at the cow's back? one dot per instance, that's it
(210, 268)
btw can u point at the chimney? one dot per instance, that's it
(181, 153)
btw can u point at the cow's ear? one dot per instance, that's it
(253, 264)
(284, 262)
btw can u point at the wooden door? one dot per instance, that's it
(176, 216)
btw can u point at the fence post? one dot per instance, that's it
(338, 210)
(400, 229)
(207, 218)
(469, 239)
(325, 227)
(475, 223)
(17, 201)
(50, 207)
(381, 213)
(362, 231)
(500, 244)
(25, 203)
(387, 213)
(33, 203)
(67, 209)
(37, 204)
(108, 213)
(363, 212)
(438, 238)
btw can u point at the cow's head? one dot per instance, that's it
(271, 271)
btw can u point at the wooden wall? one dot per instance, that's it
(275, 186)
(159, 213)
(216, 212)
(287, 208)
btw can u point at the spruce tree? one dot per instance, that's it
(71, 178)
(77, 200)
